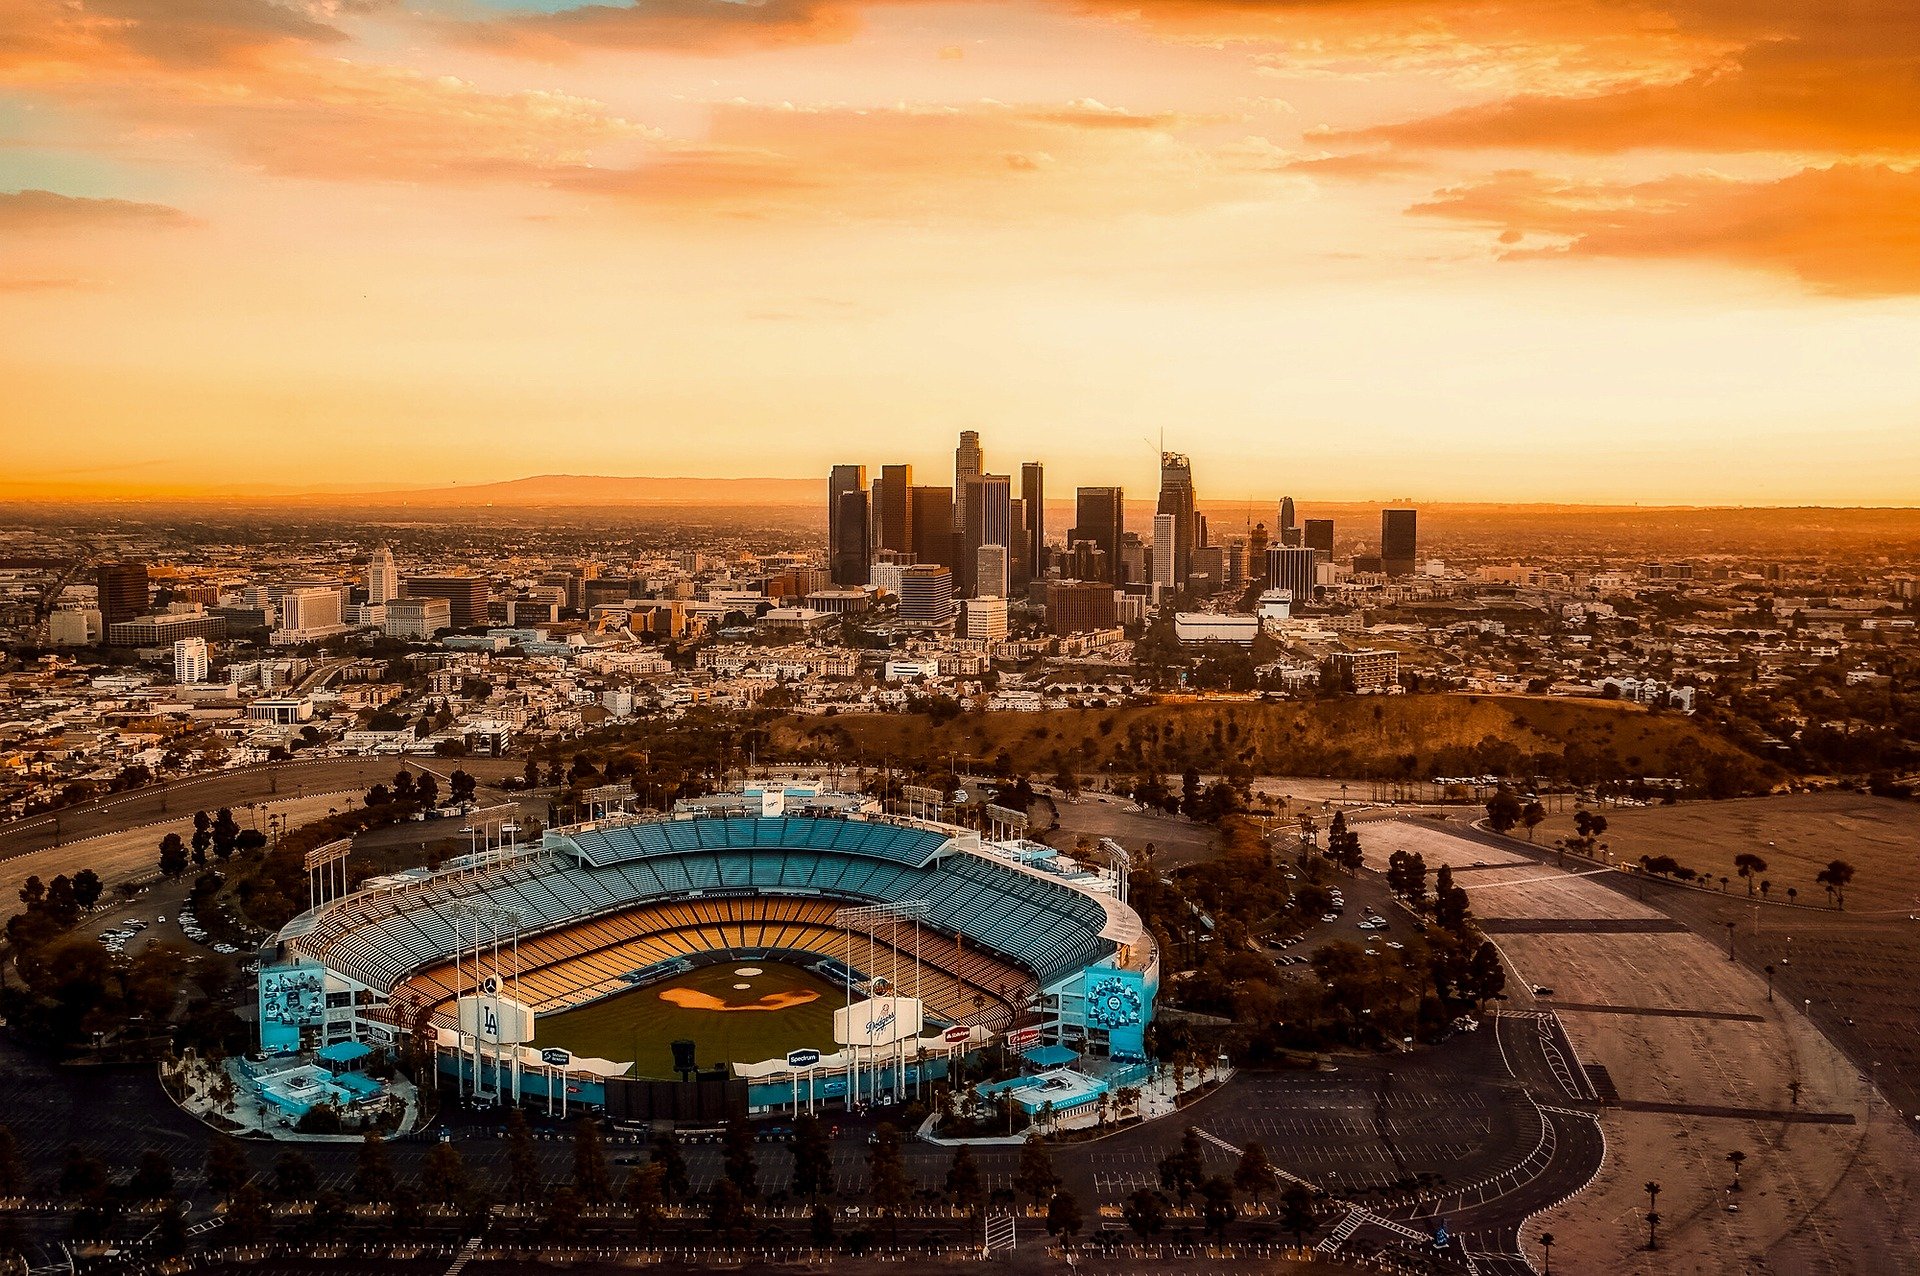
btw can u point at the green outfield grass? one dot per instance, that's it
(638, 1025)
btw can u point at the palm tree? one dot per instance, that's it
(1769, 969)
(1546, 1252)
(1653, 1216)
(1736, 1159)
(1793, 893)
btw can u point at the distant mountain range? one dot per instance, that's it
(595, 489)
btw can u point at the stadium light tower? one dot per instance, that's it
(498, 920)
(868, 917)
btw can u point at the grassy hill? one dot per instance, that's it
(1411, 737)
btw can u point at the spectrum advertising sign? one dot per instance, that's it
(878, 1021)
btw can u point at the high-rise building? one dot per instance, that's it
(848, 529)
(992, 571)
(190, 661)
(417, 617)
(968, 460)
(1033, 502)
(1257, 554)
(1166, 552)
(986, 518)
(926, 594)
(1176, 499)
(1133, 561)
(1318, 534)
(123, 591)
(1397, 542)
(383, 578)
(1100, 519)
(1293, 568)
(1076, 606)
(1289, 529)
(932, 511)
(466, 596)
(985, 618)
(893, 509)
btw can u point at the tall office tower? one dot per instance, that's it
(1257, 554)
(1033, 497)
(1293, 568)
(315, 607)
(1176, 498)
(1019, 570)
(855, 544)
(1236, 552)
(926, 594)
(847, 547)
(1100, 519)
(1318, 534)
(123, 592)
(466, 596)
(968, 461)
(1289, 529)
(1076, 606)
(985, 618)
(1133, 561)
(992, 571)
(986, 518)
(383, 578)
(1397, 549)
(931, 509)
(190, 660)
(1166, 553)
(893, 510)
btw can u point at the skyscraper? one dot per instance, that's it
(190, 660)
(986, 518)
(1176, 499)
(992, 571)
(122, 588)
(893, 512)
(931, 509)
(968, 461)
(1166, 552)
(466, 596)
(1257, 553)
(847, 547)
(926, 594)
(1318, 534)
(1099, 518)
(1033, 499)
(383, 578)
(1293, 568)
(1289, 530)
(1397, 542)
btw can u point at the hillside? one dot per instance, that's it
(1408, 737)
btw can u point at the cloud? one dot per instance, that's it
(702, 26)
(98, 38)
(1843, 229)
(38, 210)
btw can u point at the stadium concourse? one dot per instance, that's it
(939, 940)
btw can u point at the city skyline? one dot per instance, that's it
(1497, 253)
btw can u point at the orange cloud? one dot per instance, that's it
(705, 26)
(1846, 229)
(38, 210)
(99, 38)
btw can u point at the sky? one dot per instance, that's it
(1514, 250)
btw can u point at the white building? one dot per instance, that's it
(1192, 626)
(75, 627)
(1163, 554)
(383, 578)
(190, 661)
(986, 618)
(418, 617)
(309, 614)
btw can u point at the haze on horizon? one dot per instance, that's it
(1461, 250)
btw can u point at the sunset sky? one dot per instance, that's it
(1509, 250)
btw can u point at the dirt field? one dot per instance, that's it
(1839, 1197)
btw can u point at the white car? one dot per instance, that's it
(1329, 917)
(1395, 944)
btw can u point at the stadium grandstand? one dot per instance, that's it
(1002, 936)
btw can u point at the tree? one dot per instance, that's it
(82, 1175)
(443, 1174)
(1296, 1210)
(1217, 1209)
(1486, 974)
(152, 1177)
(1653, 1215)
(1503, 810)
(561, 1220)
(726, 1207)
(403, 785)
(524, 1180)
(1254, 1174)
(1749, 867)
(738, 1158)
(226, 833)
(812, 1158)
(227, 1166)
(462, 786)
(1183, 1169)
(1063, 1216)
(665, 1153)
(86, 889)
(1145, 1212)
(293, 1176)
(1533, 816)
(964, 1185)
(1736, 1159)
(1035, 1175)
(1546, 1253)
(645, 1193)
(591, 1182)
(378, 795)
(173, 857)
(249, 1217)
(1835, 877)
(820, 1227)
(373, 1178)
(887, 1174)
(427, 789)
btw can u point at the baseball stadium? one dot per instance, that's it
(787, 944)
